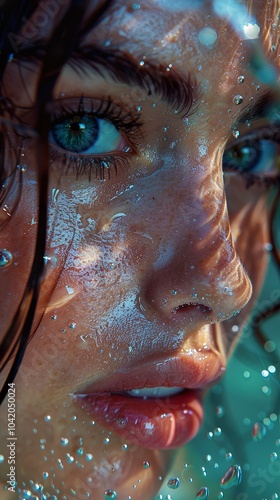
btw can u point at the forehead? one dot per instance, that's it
(184, 31)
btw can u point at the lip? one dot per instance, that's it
(153, 423)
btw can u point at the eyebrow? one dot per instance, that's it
(261, 108)
(180, 92)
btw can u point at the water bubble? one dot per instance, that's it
(238, 99)
(258, 431)
(174, 292)
(124, 447)
(210, 435)
(273, 457)
(219, 411)
(240, 79)
(232, 477)
(89, 457)
(173, 483)
(110, 495)
(146, 464)
(251, 31)
(45, 475)
(203, 493)
(218, 431)
(5, 258)
(64, 441)
(106, 440)
(72, 325)
(69, 458)
(80, 451)
(207, 36)
(270, 346)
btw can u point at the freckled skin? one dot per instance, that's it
(119, 247)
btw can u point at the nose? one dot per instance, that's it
(196, 273)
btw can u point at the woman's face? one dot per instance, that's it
(156, 237)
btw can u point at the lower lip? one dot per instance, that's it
(157, 424)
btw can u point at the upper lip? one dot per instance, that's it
(178, 371)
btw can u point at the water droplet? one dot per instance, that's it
(124, 447)
(273, 456)
(246, 374)
(228, 456)
(258, 431)
(122, 422)
(21, 168)
(220, 495)
(45, 475)
(146, 464)
(138, 108)
(2, 458)
(238, 99)
(136, 6)
(5, 258)
(272, 48)
(219, 411)
(210, 435)
(275, 496)
(251, 30)
(208, 458)
(174, 292)
(203, 493)
(173, 483)
(232, 477)
(106, 440)
(54, 317)
(110, 495)
(73, 325)
(218, 431)
(270, 346)
(236, 134)
(277, 442)
(69, 458)
(89, 457)
(80, 451)
(240, 79)
(64, 441)
(207, 36)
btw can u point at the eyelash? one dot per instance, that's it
(102, 164)
(267, 134)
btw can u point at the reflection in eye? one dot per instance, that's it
(255, 156)
(85, 134)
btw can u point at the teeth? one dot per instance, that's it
(155, 392)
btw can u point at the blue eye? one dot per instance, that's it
(85, 134)
(255, 156)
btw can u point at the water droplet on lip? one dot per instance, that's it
(146, 464)
(6, 258)
(238, 99)
(232, 477)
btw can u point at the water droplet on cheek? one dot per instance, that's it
(6, 258)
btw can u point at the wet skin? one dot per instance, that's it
(149, 267)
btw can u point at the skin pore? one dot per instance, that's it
(149, 263)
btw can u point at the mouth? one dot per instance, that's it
(158, 414)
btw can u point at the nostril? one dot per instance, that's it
(191, 306)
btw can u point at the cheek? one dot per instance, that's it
(251, 232)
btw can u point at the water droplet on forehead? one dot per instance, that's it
(6, 258)
(207, 36)
(110, 495)
(173, 483)
(238, 99)
(203, 493)
(232, 477)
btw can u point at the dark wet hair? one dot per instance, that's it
(53, 55)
